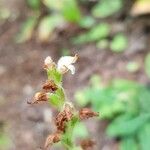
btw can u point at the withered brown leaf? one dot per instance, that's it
(51, 139)
(63, 117)
(86, 113)
(39, 97)
(87, 144)
(50, 85)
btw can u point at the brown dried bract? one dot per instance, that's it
(63, 117)
(50, 85)
(86, 113)
(87, 144)
(51, 139)
(39, 97)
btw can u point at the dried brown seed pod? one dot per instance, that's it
(50, 85)
(87, 144)
(63, 117)
(39, 97)
(51, 139)
(86, 113)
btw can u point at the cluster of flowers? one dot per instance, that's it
(68, 116)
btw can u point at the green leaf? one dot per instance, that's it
(144, 100)
(47, 26)
(144, 137)
(5, 141)
(81, 99)
(95, 34)
(132, 66)
(57, 99)
(87, 22)
(147, 64)
(106, 8)
(127, 127)
(95, 81)
(34, 4)
(102, 44)
(26, 30)
(54, 75)
(54, 4)
(119, 43)
(71, 11)
(128, 143)
(80, 131)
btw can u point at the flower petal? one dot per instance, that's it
(72, 69)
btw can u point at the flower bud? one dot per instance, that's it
(48, 63)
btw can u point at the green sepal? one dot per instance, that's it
(54, 75)
(57, 99)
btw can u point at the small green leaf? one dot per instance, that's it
(95, 34)
(71, 11)
(128, 127)
(34, 4)
(54, 75)
(55, 5)
(57, 99)
(128, 143)
(132, 66)
(144, 100)
(106, 8)
(102, 44)
(87, 22)
(119, 43)
(144, 137)
(5, 141)
(26, 30)
(81, 98)
(47, 26)
(80, 131)
(147, 64)
(95, 81)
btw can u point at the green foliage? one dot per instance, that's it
(87, 22)
(147, 64)
(128, 143)
(126, 104)
(132, 66)
(144, 137)
(80, 131)
(70, 11)
(47, 26)
(26, 30)
(119, 43)
(122, 128)
(34, 4)
(5, 141)
(106, 8)
(54, 75)
(96, 33)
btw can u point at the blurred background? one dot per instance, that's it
(112, 75)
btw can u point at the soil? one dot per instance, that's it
(21, 75)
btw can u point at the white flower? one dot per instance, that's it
(66, 63)
(48, 62)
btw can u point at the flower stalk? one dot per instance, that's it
(53, 92)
